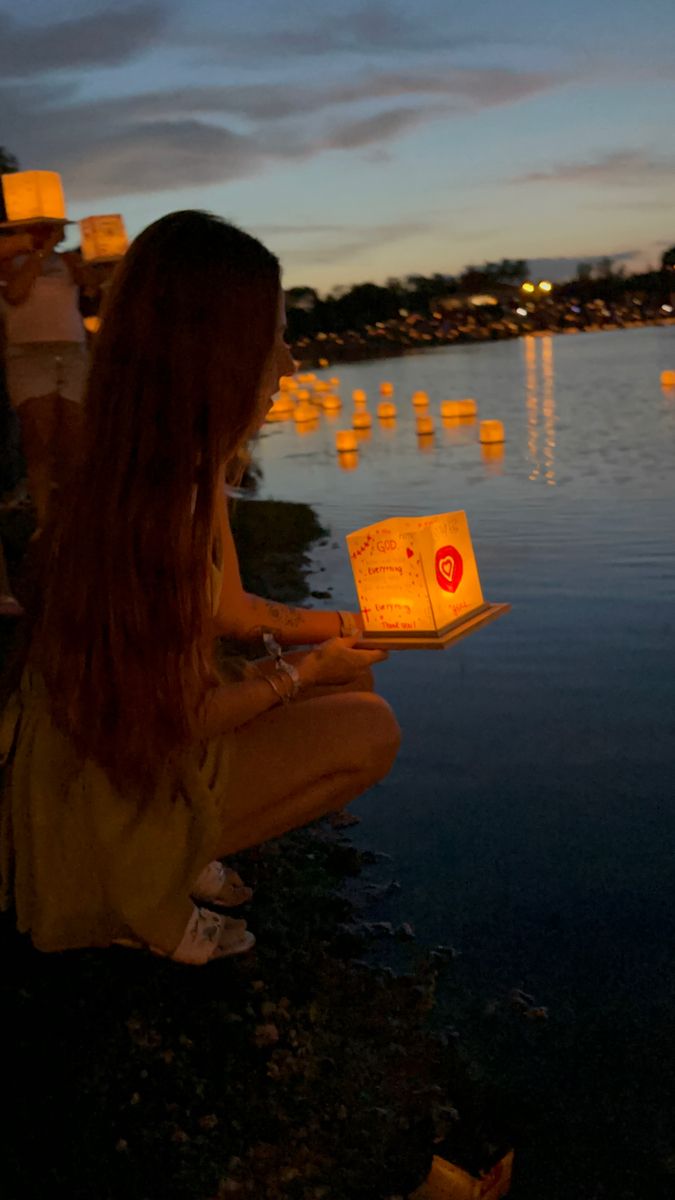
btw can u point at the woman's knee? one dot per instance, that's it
(382, 736)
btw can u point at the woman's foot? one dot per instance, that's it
(210, 936)
(221, 886)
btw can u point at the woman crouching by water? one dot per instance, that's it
(132, 767)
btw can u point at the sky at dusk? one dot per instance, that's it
(360, 139)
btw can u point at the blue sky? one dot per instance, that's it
(363, 139)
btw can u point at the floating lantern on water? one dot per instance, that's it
(458, 408)
(322, 385)
(386, 389)
(668, 378)
(323, 362)
(420, 399)
(287, 383)
(334, 381)
(417, 581)
(359, 396)
(307, 377)
(304, 394)
(345, 440)
(349, 460)
(425, 426)
(304, 412)
(92, 324)
(386, 410)
(490, 432)
(331, 402)
(282, 407)
(362, 420)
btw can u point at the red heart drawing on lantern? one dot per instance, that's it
(449, 568)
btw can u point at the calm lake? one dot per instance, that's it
(531, 814)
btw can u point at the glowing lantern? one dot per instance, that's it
(92, 324)
(308, 377)
(420, 399)
(491, 431)
(446, 1181)
(668, 378)
(386, 389)
(362, 420)
(304, 412)
(386, 410)
(323, 362)
(359, 396)
(331, 402)
(417, 581)
(349, 461)
(425, 425)
(304, 394)
(345, 440)
(33, 196)
(286, 383)
(334, 381)
(322, 385)
(458, 408)
(282, 406)
(104, 239)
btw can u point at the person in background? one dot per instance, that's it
(133, 767)
(45, 358)
(9, 605)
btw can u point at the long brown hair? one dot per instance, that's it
(173, 391)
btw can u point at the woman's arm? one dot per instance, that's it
(246, 617)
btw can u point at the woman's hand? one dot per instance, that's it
(337, 661)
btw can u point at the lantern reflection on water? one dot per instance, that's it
(425, 425)
(349, 461)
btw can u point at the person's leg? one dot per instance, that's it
(295, 764)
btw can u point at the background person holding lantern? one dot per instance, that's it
(133, 765)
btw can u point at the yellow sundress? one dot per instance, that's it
(83, 865)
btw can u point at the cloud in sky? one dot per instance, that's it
(105, 38)
(622, 168)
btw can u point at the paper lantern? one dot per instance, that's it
(362, 420)
(458, 408)
(323, 362)
(304, 394)
(420, 400)
(104, 239)
(425, 425)
(31, 196)
(322, 385)
(331, 402)
(386, 410)
(92, 324)
(303, 428)
(349, 461)
(307, 377)
(345, 439)
(491, 431)
(334, 381)
(286, 383)
(283, 406)
(359, 396)
(386, 389)
(446, 1181)
(668, 378)
(417, 581)
(304, 412)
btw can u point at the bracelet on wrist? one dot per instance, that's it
(348, 626)
(273, 684)
(281, 666)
